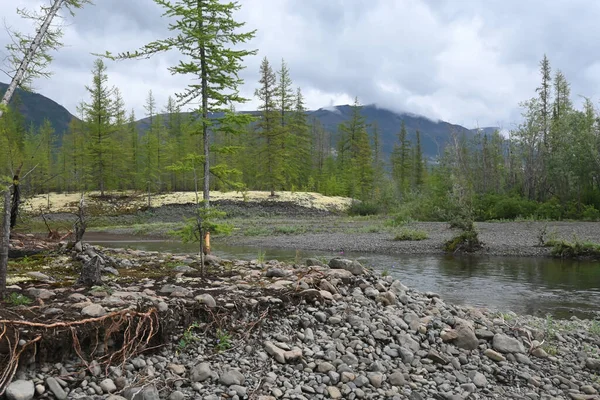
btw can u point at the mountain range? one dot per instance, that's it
(434, 134)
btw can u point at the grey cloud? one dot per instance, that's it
(468, 62)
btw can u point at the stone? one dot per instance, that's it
(141, 393)
(539, 353)
(292, 355)
(376, 379)
(593, 364)
(170, 289)
(42, 294)
(239, 390)
(493, 355)
(397, 379)
(200, 372)
(176, 369)
(478, 379)
(437, 357)
(353, 267)
(56, 389)
(334, 392)
(325, 367)
(184, 269)
(108, 386)
(93, 311)
(588, 389)
(275, 273)
(20, 390)
(40, 276)
(507, 344)
(465, 335)
(177, 395)
(277, 353)
(206, 299)
(232, 377)
(313, 262)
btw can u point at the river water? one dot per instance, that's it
(525, 285)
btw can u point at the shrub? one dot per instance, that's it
(363, 208)
(467, 241)
(550, 209)
(577, 249)
(590, 213)
(411, 234)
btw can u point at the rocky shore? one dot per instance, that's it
(248, 330)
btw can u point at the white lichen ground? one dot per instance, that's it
(67, 202)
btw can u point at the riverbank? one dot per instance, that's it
(307, 224)
(520, 239)
(270, 331)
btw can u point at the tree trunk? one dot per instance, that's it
(5, 243)
(37, 41)
(16, 199)
(205, 133)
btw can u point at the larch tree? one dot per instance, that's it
(401, 160)
(209, 40)
(269, 129)
(99, 114)
(299, 153)
(418, 163)
(29, 57)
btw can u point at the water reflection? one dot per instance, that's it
(536, 286)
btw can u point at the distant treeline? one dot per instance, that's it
(549, 167)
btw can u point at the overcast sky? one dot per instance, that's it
(468, 62)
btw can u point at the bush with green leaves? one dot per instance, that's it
(364, 208)
(408, 234)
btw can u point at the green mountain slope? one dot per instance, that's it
(36, 108)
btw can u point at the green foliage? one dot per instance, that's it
(223, 341)
(261, 256)
(206, 220)
(575, 249)
(408, 234)
(595, 328)
(467, 241)
(17, 299)
(363, 208)
(189, 336)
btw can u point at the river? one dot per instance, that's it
(525, 285)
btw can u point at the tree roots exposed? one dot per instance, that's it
(111, 339)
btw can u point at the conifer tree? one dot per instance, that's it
(269, 129)
(99, 115)
(355, 155)
(299, 157)
(418, 165)
(401, 160)
(205, 36)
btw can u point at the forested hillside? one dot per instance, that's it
(35, 108)
(548, 168)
